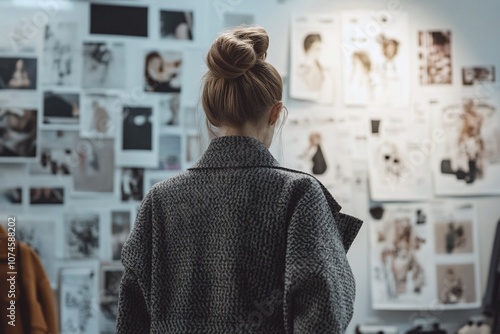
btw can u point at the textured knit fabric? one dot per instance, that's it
(238, 244)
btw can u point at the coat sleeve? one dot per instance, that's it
(134, 314)
(319, 285)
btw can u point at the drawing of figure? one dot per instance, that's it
(101, 118)
(454, 289)
(314, 154)
(390, 163)
(361, 80)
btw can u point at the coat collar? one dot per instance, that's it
(235, 151)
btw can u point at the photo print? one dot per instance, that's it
(118, 20)
(435, 57)
(309, 143)
(111, 276)
(18, 134)
(401, 274)
(163, 72)
(398, 158)
(170, 152)
(81, 235)
(58, 153)
(100, 115)
(177, 25)
(47, 195)
(78, 292)
(456, 285)
(103, 65)
(132, 184)
(170, 110)
(18, 73)
(138, 146)
(121, 223)
(39, 233)
(61, 108)
(467, 159)
(193, 147)
(313, 58)
(376, 68)
(94, 171)
(11, 195)
(474, 75)
(60, 54)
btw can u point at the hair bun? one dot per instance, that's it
(235, 52)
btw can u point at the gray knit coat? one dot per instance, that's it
(238, 244)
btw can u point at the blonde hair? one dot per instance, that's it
(240, 85)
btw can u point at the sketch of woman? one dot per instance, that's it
(20, 77)
(315, 154)
(390, 49)
(390, 163)
(101, 118)
(453, 288)
(361, 82)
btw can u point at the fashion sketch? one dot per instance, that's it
(400, 250)
(60, 58)
(312, 59)
(100, 116)
(454, 230)
(315, 154)
(376, 70)
(163, 72)
(103, 65)
(456, 284)
(78, 293)
(18, 133)
(468, 161)
(435, 57)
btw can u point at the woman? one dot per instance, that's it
(236, 243)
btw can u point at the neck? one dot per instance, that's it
(247, 131)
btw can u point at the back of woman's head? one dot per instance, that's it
(240, 86)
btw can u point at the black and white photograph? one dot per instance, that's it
(194, 148)
(170, 152)
(100, 116)
(40, 232)
(132, 184)
(453, 237)
(163, 71)
(18, 134)
(177, 25)
(111, 277)
(109, 314)
(467, 160)
(81, 235)
(474, 75)
(456, 284)
(52, 196)
(402, 276)
(60, 54)
(118, 20)
(18, 73)
(313, 58)
(94, 171)
(169, 112)
(78, 300)
(11, 195)
(435, 57)
(61, 108)
(376, 67)
(58, 153)
(121, 224)
(103, 65)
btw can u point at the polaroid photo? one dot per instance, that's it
(100, 115)
(132, 184)
(19, 73)
(163, 71)
(61, 109)
(103, 65)
(177, 25)
(82, 235)
(19, 134)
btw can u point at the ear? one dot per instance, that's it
(275, 113)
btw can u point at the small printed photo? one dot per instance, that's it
(169, 110)
(170, 152)
(47, 196)
(18, 133)
(81, 235)
(132, 185)
(99, 116)
(11, 195)
(121, 222)
(112, 279)
(193, 148)
(435, 57)
(453, 237)
(18, 73)
(176, 25)
(456, 284)
(421, 217)
(137, 128)
(103, 65)
(109, 314)
(163, 72)
(58, 153)
(478, 75)
(61, 108)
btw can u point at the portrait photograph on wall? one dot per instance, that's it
(163, 71)
(313, 71)
(18, 73)
(18, 134)
(61, 108)
(376, 68)
(177, 25)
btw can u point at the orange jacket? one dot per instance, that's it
(35, 305)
